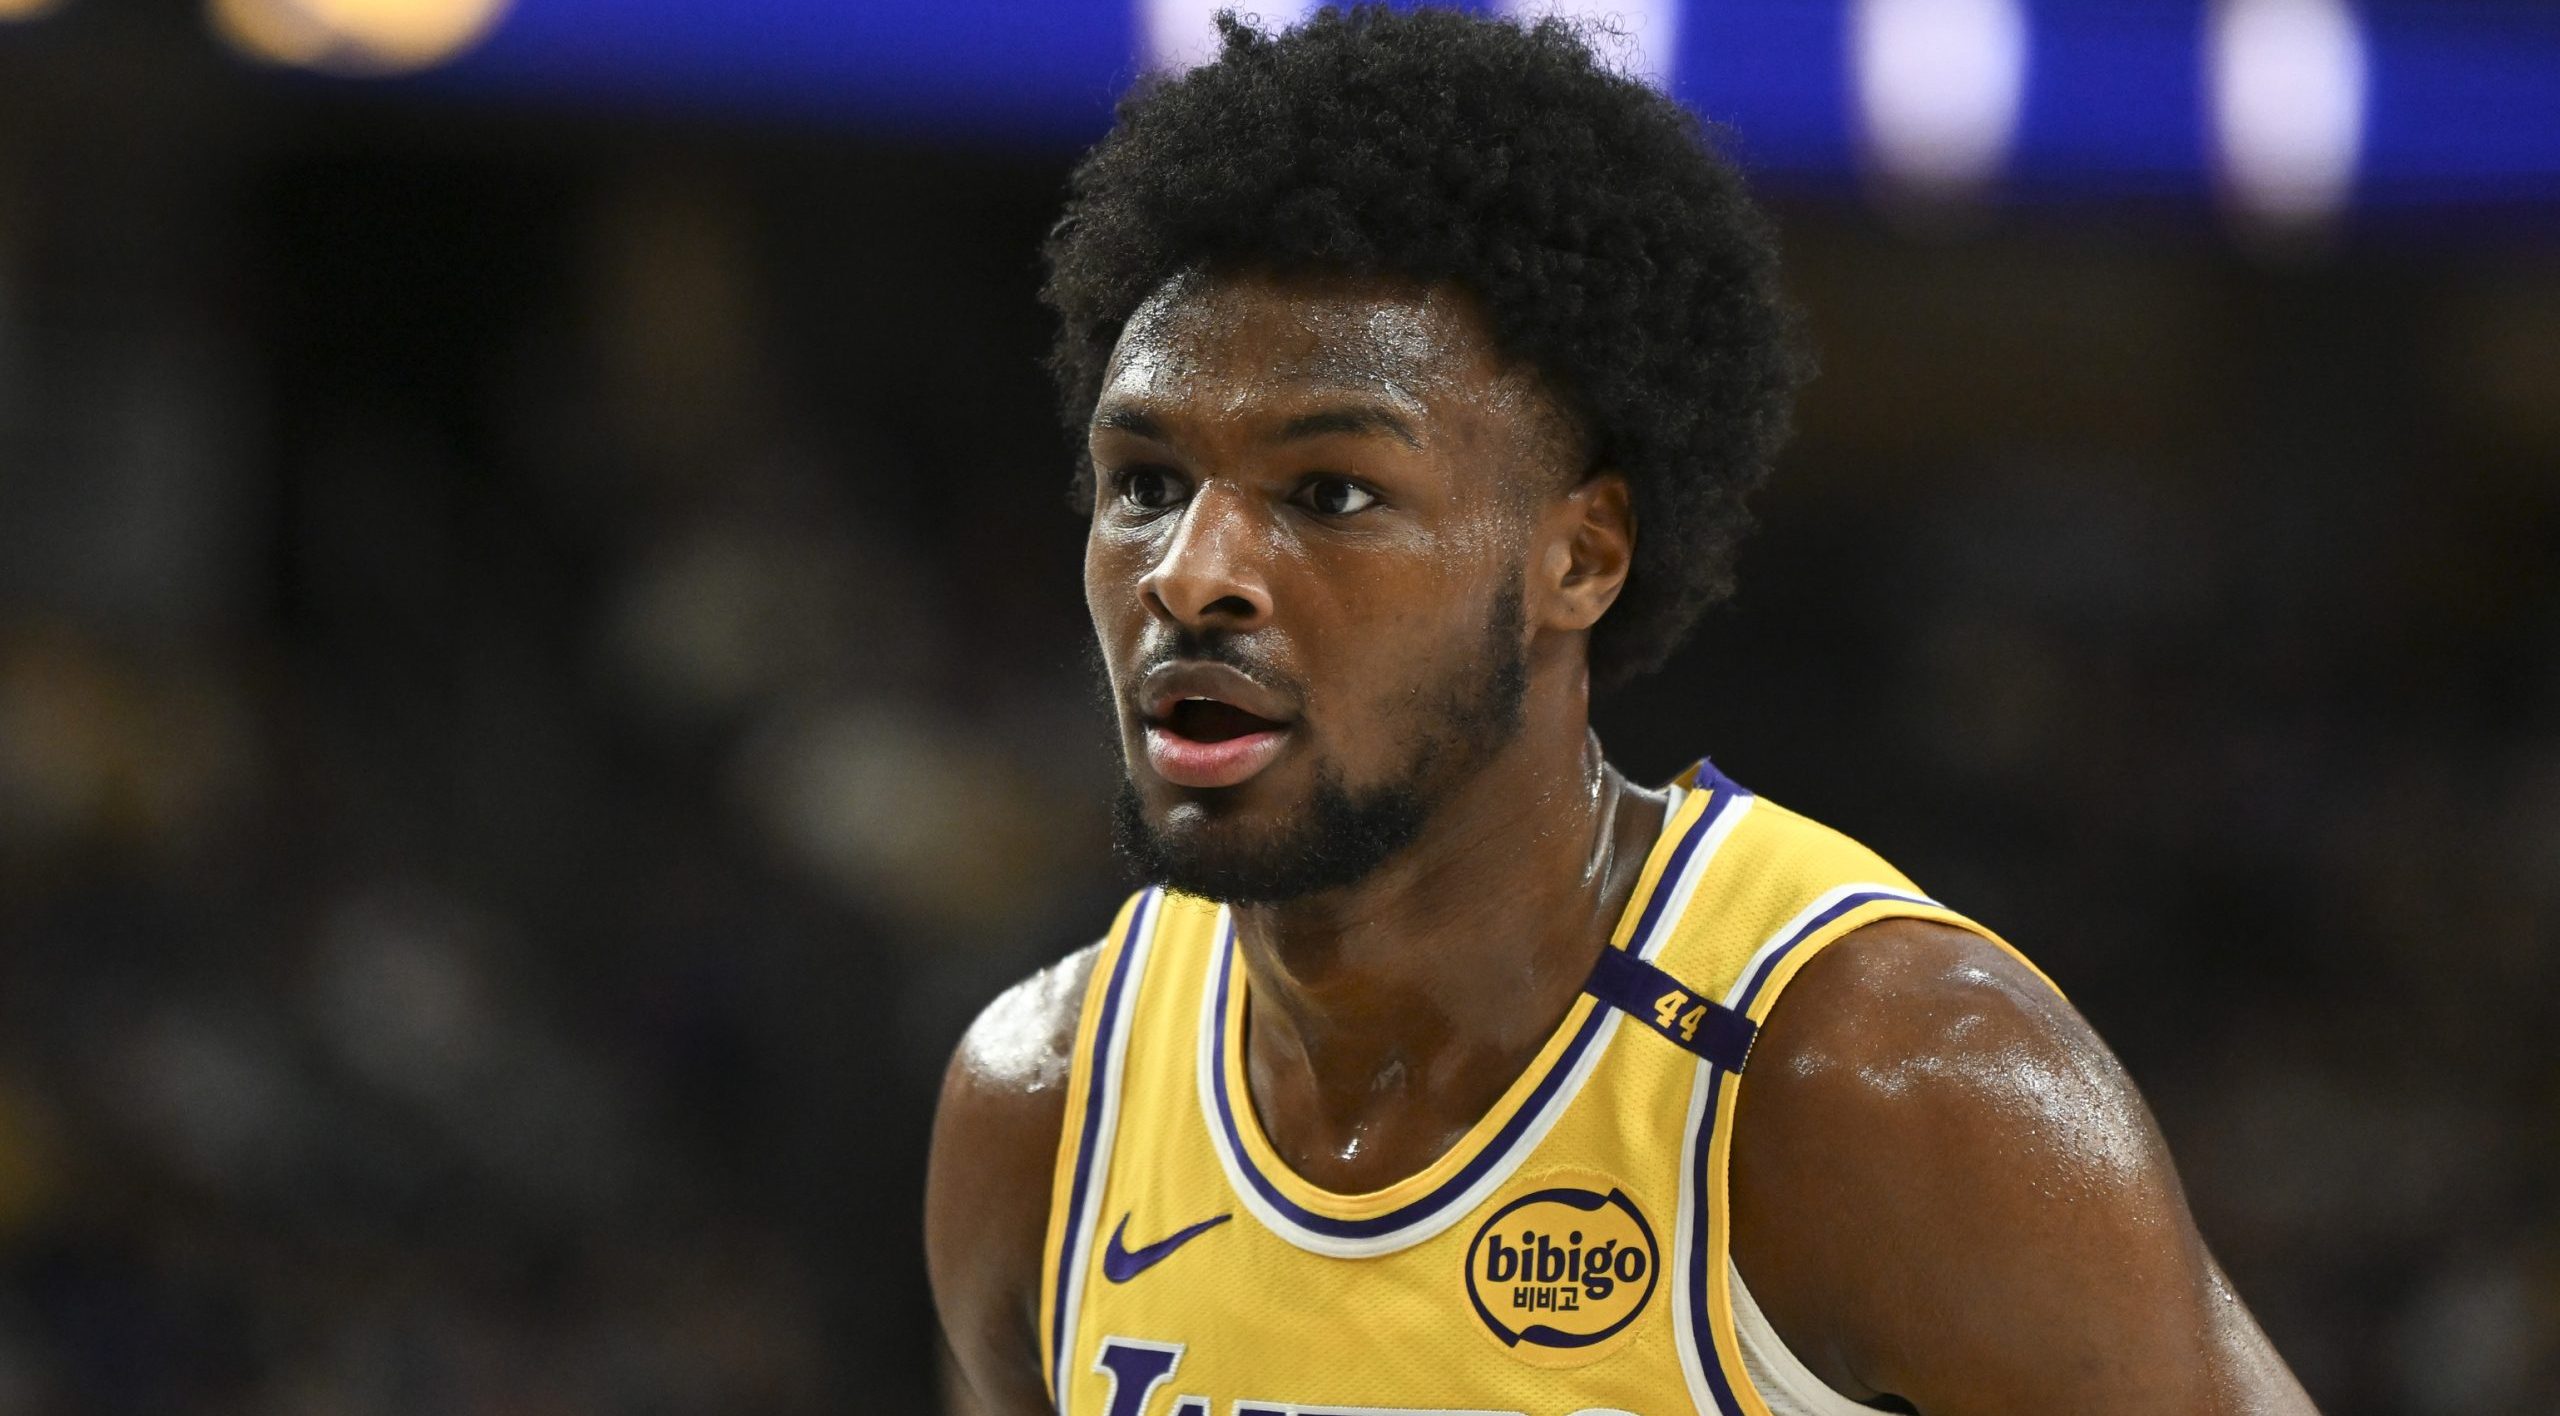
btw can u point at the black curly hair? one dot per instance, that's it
(1614, 251)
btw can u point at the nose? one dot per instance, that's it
(1209, 575)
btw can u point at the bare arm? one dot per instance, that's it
(986, 1211)
(1947, 1191)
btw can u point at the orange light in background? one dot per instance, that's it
(356, 37)
(27, 9)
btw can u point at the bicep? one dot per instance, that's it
(1991, 1218)
(982, 1239)
(995, 1140)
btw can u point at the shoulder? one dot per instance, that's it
(1911, 1015)
(1004, 1095)
(1945, 1185)
(995, 1145)
(1018, 1051)
(1925, 1064)
(1920, 1067)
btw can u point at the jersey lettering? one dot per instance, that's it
(1689, 1023)
(1668, 1006)
(1136, 1369)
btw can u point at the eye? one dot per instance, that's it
(1148, 488)
(1337, 496)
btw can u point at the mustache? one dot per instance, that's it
(1186, 646)
(1180, 645)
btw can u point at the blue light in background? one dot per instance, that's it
(2114, 99)
(1775, 74)
(1041, 71)
(2465, 103)
(2464, 99)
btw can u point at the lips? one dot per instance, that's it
(1208, 725)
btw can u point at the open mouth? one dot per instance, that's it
(1208, 720)
(1199, 734)
(1204, 742)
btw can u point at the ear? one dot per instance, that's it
(1586, 544)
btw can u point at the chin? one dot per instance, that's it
(1237, 846)
(1212, 833)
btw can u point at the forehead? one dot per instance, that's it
(1231, 341)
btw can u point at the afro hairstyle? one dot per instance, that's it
(1613, 250)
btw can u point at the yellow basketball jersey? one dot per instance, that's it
(1566, 1258)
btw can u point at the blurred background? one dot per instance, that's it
(542, 672)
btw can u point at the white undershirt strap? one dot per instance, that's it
(1790, 1387)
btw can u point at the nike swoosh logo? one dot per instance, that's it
(1120, 1264)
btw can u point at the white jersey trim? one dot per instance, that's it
(1106, 1095)
(1785, 1382)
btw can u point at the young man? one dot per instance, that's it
(1424, 367)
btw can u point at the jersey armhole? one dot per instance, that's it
(1784, 1382)
(1063, 1245)
(1723, 1381)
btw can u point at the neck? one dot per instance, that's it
(1387, 1017)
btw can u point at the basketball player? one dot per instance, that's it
(1424, 365)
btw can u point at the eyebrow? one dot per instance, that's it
(1129, 420)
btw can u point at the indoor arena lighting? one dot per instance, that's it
(356, 36)
(2286, 80)
(1939, 83)
(1650, 30)
(1181, 33)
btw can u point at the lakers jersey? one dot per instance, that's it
(1568, 1257)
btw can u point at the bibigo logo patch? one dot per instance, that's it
(1560, 1270)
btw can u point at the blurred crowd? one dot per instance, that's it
(542, 680)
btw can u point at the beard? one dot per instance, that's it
(1344, 834)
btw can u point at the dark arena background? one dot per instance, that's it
(542, 670)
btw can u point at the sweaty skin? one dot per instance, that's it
(1945, 1190)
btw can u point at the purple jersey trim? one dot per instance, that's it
(1086, 1143)
(1633, 987)
(1724, 795)
(1702, 1324)
(1710, 1359)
